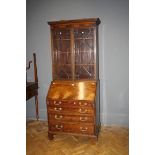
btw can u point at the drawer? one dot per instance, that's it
(70, 103)
(82, 128)
(70, 110)
(70, 118)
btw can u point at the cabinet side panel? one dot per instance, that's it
(52, 52)
(97, 54)
(98, 123)
(95, 58)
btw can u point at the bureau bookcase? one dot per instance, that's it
(73, 97)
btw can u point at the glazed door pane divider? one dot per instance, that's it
(73, 53)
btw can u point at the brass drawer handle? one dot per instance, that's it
(82, 110)
(57, 109)
(57, 103)
(83, 118)
(59, 126)
(83, 104)
(58, 116)
(83, 129)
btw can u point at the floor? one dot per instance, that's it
(113, 140)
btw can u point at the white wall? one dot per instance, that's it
(113, 48)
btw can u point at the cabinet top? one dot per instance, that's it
(85, 21)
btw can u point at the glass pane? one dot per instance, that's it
(84, 72)
(61, 54)
(61, 34)
(61, 42)
(84, 53)
(84, 33)
(62, 72)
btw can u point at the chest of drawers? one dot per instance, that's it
(72, 108)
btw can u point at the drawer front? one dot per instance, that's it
(70, 103)
(70, 110)
(70, 118)
(72, 128)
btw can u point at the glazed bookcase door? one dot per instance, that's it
(61, 54)
(84, 53)
(74, 53)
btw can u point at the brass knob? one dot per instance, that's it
(58, 116)
(59, 126)
(57, 109)
(83, 118)
(83, 129)
(82, 110)
(83, 104)
(57, 103)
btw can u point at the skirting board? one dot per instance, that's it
(115, 119)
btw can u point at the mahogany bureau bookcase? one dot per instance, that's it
(73, 97)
